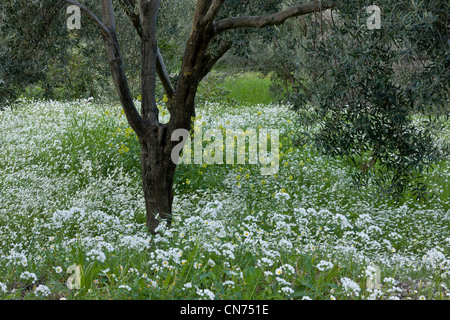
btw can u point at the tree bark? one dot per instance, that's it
(157, 178)
(270, 19)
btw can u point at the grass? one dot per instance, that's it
(71, 197)
(250, 88)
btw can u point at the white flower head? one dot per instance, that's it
(42, 291)
(324, 265)
(278, 271)
(26, 275)
(350, 287)
(3, 288)
(58, 269)
(124, 286)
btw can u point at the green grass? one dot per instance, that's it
(250, 88)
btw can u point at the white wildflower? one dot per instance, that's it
(42, 291)
(28, 276)
(58, 269)
(350, 287)
(206, 293)
(124, 286)
(3, 287)
(324, 265)
(228, 283)
(287, 290)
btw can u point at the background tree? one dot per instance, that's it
(377, 95)
(41, 58)
(22, 62)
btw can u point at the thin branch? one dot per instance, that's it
(212, 11)
(105, 31)
(164, 76)
(270, 19)
(212, 60)
(128, 7)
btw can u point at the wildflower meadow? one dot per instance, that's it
(72, 217)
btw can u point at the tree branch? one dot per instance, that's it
(200, 10)
(212, 60)
(105, 31)
(270, 19)
(149, 49)
(108, 15)
(212, 11)
(160, 65)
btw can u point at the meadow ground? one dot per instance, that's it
(72, 218)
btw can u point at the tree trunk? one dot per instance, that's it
(158, 167)
(158, 172)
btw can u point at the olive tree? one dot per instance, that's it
(205, 45)
(22, 29)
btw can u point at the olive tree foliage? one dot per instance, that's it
(42, 66)
(373, 96)
(378, 95)
(21, 61)
(41, 57)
